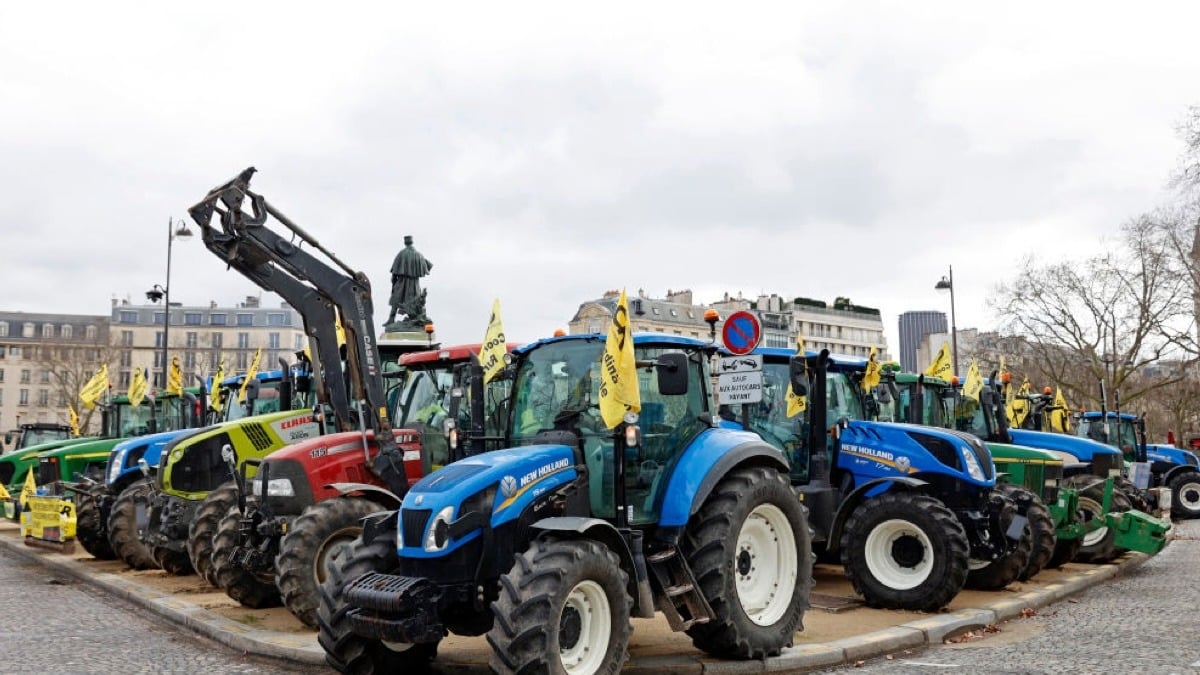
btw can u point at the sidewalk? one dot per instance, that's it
(837, 630)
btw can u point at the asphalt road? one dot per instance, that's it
(1145, 621)
(56, 625)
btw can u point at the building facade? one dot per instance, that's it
(914, 326)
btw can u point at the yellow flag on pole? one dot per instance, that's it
(973, 387)
(74, 421)
(175, 378)
(618, 370)
(95, 387)
(797, 403)
(942, 366)
(1018, 405)
(30, 487)
(250, 375)
(1060, 415)
(214, 396)
(491, 355)
(137, 387)
(871, 376)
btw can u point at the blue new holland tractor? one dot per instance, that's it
(550, 546)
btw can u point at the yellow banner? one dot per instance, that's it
(1018, 405)
(137, 387)
(250, 375)
(214, 396)
(95, 387)
(942, 366)
(1060, 414)
(973, 387)
(796, 403)
(49, 519)
(175, 378)
(491, 354)
(618, 370)
(871, 376)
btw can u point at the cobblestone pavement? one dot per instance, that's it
(58, 625)
(1145, 621)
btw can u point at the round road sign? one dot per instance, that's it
(741, 332)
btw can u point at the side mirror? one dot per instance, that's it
(228, 455)
(303, 383)
(797, 376)
(672, 370)
(252, 391)
(144, 466)
(883, 394)
(8, 438)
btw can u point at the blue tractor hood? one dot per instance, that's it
(1082, 449)
(1171, 455)
(886, 449)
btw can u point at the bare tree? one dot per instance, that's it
(70, 366)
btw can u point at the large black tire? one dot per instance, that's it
(345, 651)
(91, 530)
(563, 606)
(1099, 545)
(1185, 495)
(1137, 499)
(310, 543)
(750, 549)
(175, 563)
(237, 582)
(1065, 550)
(1041, 528)
(204, 527)
(1003, 571)
(905, 550)
(123, 529)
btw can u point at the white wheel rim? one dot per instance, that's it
(1091, 511)
(883, 565)
(1189, 496)
(397, 646)
(765, 565)
(975, 564)
(589, 603)
(336, 542)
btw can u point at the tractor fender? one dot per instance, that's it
(867, 490)
(1175, 471)
(606, 533)
(705, 463)
(375, 493)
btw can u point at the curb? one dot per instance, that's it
(914, 634)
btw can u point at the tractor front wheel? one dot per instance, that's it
(346, 651)
(1185, 495)
(998, 573)
(204, 526)
(563, 608)
(1041, 528)
(310, 543)
(175, 563)
(90, 529)
(905, 550)
(123, 527)
(239, 583)
(749, 548)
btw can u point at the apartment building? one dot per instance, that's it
(42, 355)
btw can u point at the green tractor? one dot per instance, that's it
(34, 433)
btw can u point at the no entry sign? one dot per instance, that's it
(741, 332)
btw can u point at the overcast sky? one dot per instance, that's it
(543, 153)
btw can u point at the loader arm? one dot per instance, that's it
(347, 289)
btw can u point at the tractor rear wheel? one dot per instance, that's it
(123, 528)
(239, 583)
(1097, 546)
(90, 529)
(905, 550)
(1185, 495)
(563, 608)
(1137, 499)
(310, 543)
(996, 574)
(346, 651)
(204, 526)
(749, 548)
(1041, 528)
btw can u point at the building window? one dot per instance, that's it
(23, 397)
(655, 310)
(67, 330)
(126, 358)
(3, 329)
(191, 339)
(123, 379)
(217, 340)
(191, 318)
(1, 374)
(243, 340)
(245, 319)
(27, 330)
(25, 375)
(272, 341)
(90, 332)
(62, 400)
(43, 397)
(277, 319)
(674, 313)
(127, 317)
(299, 342)
(126, 338)
(272, 357)
(158, 359)
(214, 360)
(243, 361)
(158, 317)
(14, 351)
(216, 319)
(157, 381)
(47, 330)
(44, 376)
(189, 360)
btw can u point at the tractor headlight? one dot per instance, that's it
(114, 466)
(974, 470)
(276, 487)
(438, 534)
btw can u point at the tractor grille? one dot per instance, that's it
(47, 472)
(413, 521)
(258, 436)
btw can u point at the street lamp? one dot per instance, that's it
(947, 284)
(164, 292)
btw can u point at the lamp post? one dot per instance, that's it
(947, 284)
(164, 292)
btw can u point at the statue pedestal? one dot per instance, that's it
(393, 343)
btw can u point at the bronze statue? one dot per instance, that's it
(407, 296)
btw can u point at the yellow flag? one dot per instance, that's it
(1060, 415)
(871, 377)
(973, 387)
(339, 330)
(30, 488)
(618, 370)
(74, 421)
(175, 378)
(250, 375)
(137, 387)
(1018, 405)
(491, 355)
(4, 496)
(214, 396)
(796, 403)
(95, 387)
(942, 366)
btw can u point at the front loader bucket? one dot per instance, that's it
(1138, 531)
